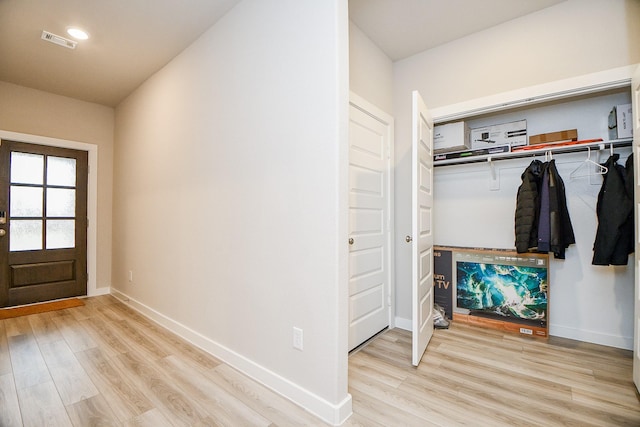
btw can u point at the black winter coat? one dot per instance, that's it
(614, 237)
(528, 207)
(527, 217)
(561, 229)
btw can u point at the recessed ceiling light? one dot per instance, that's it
(77, 33)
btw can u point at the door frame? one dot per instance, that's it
(635, 102)
(385, 118)
(92, 197)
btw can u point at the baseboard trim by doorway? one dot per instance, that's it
(25, 310)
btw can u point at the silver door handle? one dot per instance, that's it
(351, 240)
(408, 239)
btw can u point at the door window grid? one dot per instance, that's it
(42, 202)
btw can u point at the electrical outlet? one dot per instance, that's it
(130, 276)
(297, 338)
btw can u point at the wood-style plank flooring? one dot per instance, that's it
(482, 377)
(105, 365)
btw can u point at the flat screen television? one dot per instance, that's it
(509, 287)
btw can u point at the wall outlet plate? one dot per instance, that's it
(297, 338)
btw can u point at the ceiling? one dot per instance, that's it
(132, 39)
(402, 28)
(129, 41)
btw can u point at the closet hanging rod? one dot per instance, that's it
(618, 143)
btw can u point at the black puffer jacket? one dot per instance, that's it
(614, 237)
(528, 207)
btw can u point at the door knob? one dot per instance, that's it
(408, 239)
(351, 240)
(2, 232)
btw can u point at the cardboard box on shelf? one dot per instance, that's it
(620, 122)
(512, 133)
(450, 137)
(563, 135)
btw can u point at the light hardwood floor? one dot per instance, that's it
(104, 364)
(482, 377)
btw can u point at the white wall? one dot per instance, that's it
(33, 112)
(230, 196)
(370, 70)
(570, 39)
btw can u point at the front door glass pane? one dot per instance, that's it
(61, 171)
(25, 235)
(25, 202)
(27, 168)
(61, 233)
(61, 202)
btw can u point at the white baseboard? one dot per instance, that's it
(403, 324)
(99, 291)
(328, 412)
(591, 337)
(564, 332)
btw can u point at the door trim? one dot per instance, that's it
(92, 197)
(385, 118)
(635, 102)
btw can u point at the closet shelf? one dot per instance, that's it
(532, 153)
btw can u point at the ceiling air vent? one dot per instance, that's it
(61, 41)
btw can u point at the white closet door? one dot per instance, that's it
(635, 99)
(370, 136)
(421, 228)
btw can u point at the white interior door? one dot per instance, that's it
(421, 228)
(635, 99)
(369, 221)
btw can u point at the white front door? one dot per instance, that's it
(370, 134)
(635, 99)
(421, 228)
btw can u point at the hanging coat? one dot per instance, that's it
(629, 228)
(561, 230)
(542, 221)
(544, 217)
(527, 208)
(614, 236)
